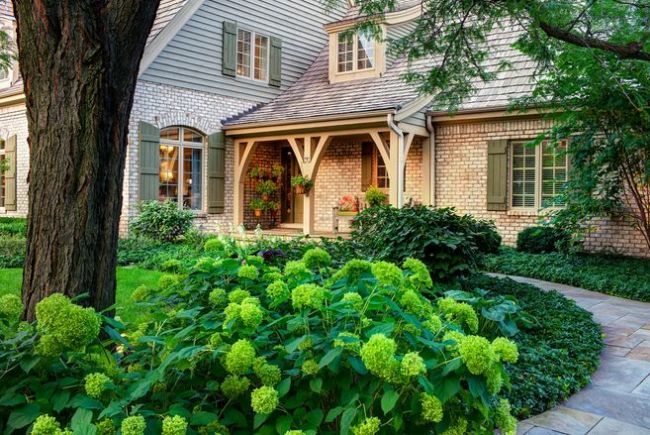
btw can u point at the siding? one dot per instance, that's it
(193, 58)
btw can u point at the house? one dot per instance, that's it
(228, 91)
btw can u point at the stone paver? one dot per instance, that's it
(618, 399)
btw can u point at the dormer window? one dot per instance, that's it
(355, 56)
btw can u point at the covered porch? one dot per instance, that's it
(341, 158)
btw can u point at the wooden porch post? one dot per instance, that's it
(243, 154)
(396, 171)
(427, 171)
(311, 154)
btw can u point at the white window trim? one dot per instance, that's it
(537, 208)
(355, 74)
(355, 55)
(181, 144)
(251, 66)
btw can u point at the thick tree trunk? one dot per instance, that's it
(79, 60)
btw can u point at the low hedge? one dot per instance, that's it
(557, 353)
(13, 227)
(12, 251)
(537, 240)
(618, 276)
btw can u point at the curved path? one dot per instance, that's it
(618, 399)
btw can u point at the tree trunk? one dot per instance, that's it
(79, 61)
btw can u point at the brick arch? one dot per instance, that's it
(187, 119)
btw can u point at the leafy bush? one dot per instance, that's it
(618, 276)
(12, 251)
(13, 227)
(485, 235)
(375, 196)
(542, 239)
(242, 347)
(449, 244)
(164, 221)
(558, 352)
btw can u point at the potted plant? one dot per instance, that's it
(302, 184)
(277, 171)
(255, 172)
(273, 207)
(375, 196)
(348, 205)
(266, 189)
(257, 205)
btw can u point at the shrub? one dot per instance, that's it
(450, 245)
(163, 221)
(558, 350)
(12, 251)
(13, 227)
(309, 358)
(540, 239)
(486, 237)
(375, 196)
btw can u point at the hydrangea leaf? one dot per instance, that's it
(346, 420)
(330, 356)
(389, 400)
(23, 416)
(283, 387)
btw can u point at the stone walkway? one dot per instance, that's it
(618, 399)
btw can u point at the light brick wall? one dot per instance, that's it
(461, 182)
(164, 106)
(13, 121)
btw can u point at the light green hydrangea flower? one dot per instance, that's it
(310, 367)
(255, 260)
(232, 312)
(217, 297)
(134, 425)
(420, 278)
(294, 432)
(459, 313)
(267, 373)
(238, 295)
(433, 323)
(278, 291)
(214, 245)
(387, 273)
(11, 307)
(46, 425)
(251, 314)
(215, 340)
(316, 258)
(370, 426)
(140, 293)
(378, 355)
(272, 276)
(431, 408)
(233, 386)
(504, 420)
(306, 344)
(354, 299)
(308, 296)
(105, 427)
(412, 365)
(264, 400)
(240, 358)
(459, 427)
(175, 425)
(353, 270)
(477, 354)
(505, 350)
(167, 281)
(248, 271)
(173, 266)
(416, 304)
(348, 340)
(493, 379)
(95, 384)
(296, 269)
(64, 325)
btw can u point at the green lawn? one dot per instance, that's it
(128, 279)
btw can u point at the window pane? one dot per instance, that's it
(523, 175)
(261, 57)
(192, 136)
(554, 174)
(345, 52)
(192, 185)
(382, 173)
(365, 52)
(171, 133)
(168, 173)
(243, 53)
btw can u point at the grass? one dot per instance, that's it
(619, 276)
(128, 279)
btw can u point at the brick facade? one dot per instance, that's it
(265, 156)
(461, 182)
(13, 121)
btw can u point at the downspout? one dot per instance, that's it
(432, 155)
(400, 158)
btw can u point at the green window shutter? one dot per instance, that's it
(216, 173)
(229, 55)
(10, 174)
(275, 63)
(366, 165)
(149, 138)
(497, 179)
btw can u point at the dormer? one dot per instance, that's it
(354, 55)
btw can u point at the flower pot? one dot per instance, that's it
(300, 189)
(258, 212)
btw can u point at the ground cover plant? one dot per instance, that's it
(559, 345)
(619, 276)
(540, 239)
(239, 346)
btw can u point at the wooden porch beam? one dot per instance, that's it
(300, 153)
(384, 150)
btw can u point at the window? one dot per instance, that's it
(181, 166)
(252, 55)
(538, 174)
(3, 168)
(373, 168)
(356, 52)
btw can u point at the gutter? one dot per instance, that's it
(432, 156)
(390, 118)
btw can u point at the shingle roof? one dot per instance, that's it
(314, 96)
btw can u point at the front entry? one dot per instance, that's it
(291, 203)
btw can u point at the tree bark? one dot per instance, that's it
(79, 60)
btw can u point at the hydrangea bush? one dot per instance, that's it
(239, 346)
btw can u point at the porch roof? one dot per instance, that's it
(313, 96)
